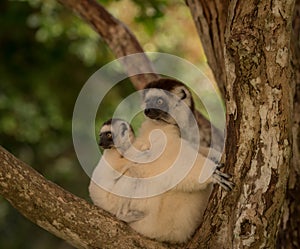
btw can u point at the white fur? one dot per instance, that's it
(172, 216)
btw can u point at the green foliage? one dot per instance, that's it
(53, 22)
(39, 85)
(150, 11)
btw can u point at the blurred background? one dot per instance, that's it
(47, 54)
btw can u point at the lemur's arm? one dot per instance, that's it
(204, 172)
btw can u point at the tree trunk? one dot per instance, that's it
(289, 234)
(259, 105)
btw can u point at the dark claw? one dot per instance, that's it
(224, 175)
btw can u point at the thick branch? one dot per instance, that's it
(117, 36)
(210, 19)
(61, 213)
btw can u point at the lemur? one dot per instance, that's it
(165, 98)
(116, 136)
(172, 216)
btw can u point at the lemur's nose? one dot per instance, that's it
(147, 111)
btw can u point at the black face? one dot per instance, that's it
(157, 108)
(156, 114)
(106, 140)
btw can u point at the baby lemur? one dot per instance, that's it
(116, 136)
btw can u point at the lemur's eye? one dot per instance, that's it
(108, 135)
(159, 101)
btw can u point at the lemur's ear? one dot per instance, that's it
(182, 92)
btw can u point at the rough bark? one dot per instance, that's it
(61, 213)
(289, 234)
(210, 19)
(258, 94)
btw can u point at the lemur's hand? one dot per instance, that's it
(222, 178)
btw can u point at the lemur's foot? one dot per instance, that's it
(131, 216)
(222, 178)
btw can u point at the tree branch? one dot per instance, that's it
(210, 19)
(61, 213)
(117, 36)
